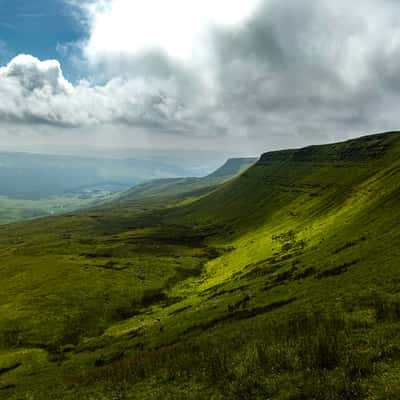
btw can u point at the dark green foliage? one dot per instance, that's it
(387, 307)
(339, 269)
(312, 355)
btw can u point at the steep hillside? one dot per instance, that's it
(312, 180)
(186, 188)
(232, 167)
(280, 284)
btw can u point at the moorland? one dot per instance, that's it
(275, 281)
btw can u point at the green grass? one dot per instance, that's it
(186, 189)
(14, 210)
(282, 284)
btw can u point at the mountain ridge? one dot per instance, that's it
(364, 147)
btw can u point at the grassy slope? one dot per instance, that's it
(281, 284)
(158, 190)
(185, 189)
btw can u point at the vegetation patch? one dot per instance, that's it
(11, 368)
(338, 270)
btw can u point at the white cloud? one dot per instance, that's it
(175, 27)
(32, 74)
(36, 91)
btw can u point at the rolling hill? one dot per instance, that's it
(279, 284)
(186, 188)
(34, 185)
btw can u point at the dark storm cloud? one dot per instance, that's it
(295, 67)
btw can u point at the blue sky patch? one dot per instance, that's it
(37, 28)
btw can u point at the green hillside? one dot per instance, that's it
(158, 191)
(180, 189)
(282, 283)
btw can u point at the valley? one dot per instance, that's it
(269, 280)
(39, 185)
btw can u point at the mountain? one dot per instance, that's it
(281, 283)
(180, 188)
(307, 180)
(233, 167)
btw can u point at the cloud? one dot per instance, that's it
(250, 74)
(280, 73)
(313, 81)
(36, 91)
(32, 74)
(176, 28)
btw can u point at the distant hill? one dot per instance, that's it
(36, 186)
(232, 167)
(281, 283)
(35, 176)
(188, 187)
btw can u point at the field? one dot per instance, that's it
(14, 210)
(282, 283)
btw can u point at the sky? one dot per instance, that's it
(240, 76)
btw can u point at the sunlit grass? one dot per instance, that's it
(281, 284)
